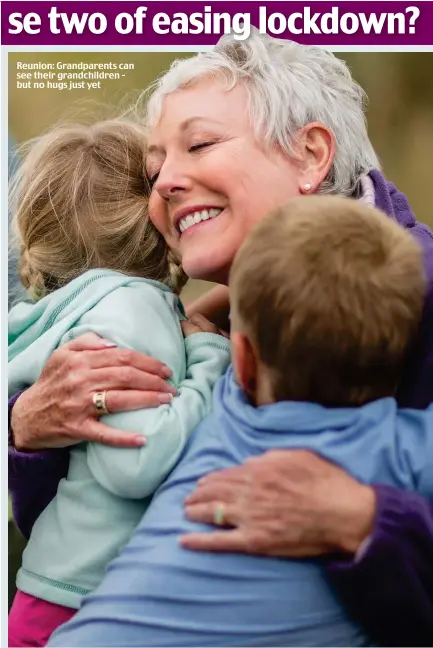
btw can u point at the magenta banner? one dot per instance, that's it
(202, 23)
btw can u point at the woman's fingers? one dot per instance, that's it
(189, 329)
(128, 378)
(116, 357)
(232, 541)
(199, 324)
(217, 491)
(125, 400)
(98, 432)
(285, 503)
(236, 474)
(203, 324)
(58, 410)
(209, 511)
(87, 342)
(103, 353)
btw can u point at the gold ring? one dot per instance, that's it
(99, 403)
(219, 517)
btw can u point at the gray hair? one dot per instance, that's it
(289, 86)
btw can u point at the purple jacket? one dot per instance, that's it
(417, 387)
(389, 588)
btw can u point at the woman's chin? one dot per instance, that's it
(207, 268)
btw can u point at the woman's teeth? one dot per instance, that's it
(197, 217)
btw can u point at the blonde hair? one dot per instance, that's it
(80, 201)
(334, 312)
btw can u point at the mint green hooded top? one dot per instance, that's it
(107, 490)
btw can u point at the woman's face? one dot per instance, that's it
(211, 179)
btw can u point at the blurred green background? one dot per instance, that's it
(400, 110)
(400, 118)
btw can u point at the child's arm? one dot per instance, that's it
(142, 319)
(137, 473)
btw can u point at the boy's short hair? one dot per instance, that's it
(330, 293)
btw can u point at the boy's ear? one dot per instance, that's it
(244, 364)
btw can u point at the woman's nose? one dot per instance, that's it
(170, 183)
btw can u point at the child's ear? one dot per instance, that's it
(244, 364)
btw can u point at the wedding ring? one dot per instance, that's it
(99, 403)
(219, 517)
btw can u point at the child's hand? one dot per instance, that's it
(199, 324)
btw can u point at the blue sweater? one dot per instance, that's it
(158, 594)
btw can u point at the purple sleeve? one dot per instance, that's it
(33, 480)
(416, 389)
(389, 588)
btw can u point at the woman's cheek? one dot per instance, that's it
(158, 216)
(160, 220)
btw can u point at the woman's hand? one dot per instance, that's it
(214, 305)
(58, 410)
(199, 324)
(286, 503)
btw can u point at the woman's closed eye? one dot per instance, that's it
(200, 146)
(152, 177)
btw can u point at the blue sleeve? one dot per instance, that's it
(415, 447)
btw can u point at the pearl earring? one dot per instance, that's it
(307, 187)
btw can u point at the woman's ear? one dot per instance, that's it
(316, 145)
(244, 364)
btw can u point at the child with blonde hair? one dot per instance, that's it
(92, 261)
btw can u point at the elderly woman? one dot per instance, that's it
(233, 133)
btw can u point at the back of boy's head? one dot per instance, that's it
(80, 201)
(330, 294)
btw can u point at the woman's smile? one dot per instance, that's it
(187, 218)
(212, 180)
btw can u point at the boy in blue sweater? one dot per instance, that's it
(326, 297)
